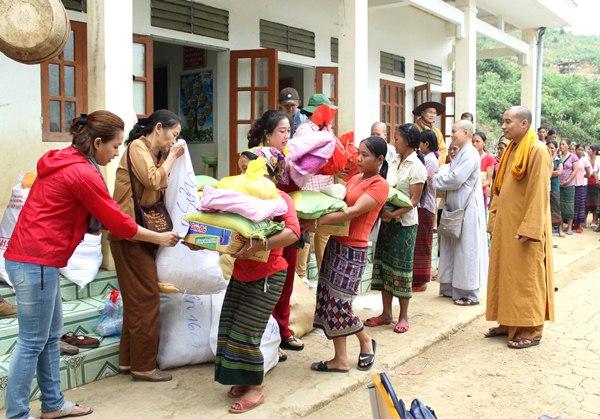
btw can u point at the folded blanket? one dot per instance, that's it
(398, 199)
(308, 154)
(254, 209)
(311, 205)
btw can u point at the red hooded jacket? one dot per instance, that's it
(57, 211)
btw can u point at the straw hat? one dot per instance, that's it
(33, 31)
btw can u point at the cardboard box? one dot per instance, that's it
(339, 229)
(220, 239)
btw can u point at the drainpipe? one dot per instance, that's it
(540, 68)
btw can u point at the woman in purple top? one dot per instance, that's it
(567, 184)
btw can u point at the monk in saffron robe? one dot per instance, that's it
(520, 295)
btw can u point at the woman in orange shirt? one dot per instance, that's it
(345, 258)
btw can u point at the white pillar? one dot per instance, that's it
(353, 88)
(222, 113)
(110, 70)
(466, 60)
(528, 72)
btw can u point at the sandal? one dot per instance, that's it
(465, 301)
(66, 411)
(367, 359)
(419, 289)
(236, 392)
(375, 322)
(401, 327)
(244, 405)
(493, 332)
(522, 343)
(79, 340)
(321, 366)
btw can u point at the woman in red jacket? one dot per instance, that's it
(68, 199)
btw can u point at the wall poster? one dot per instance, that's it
(196, 106)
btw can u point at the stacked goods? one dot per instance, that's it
(17, 199)
(202, 181)
(311, 205)
(397, 199)
(238, 208)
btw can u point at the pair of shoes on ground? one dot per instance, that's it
(292, 343)
(7, 309)
(365, 362)
(79, 340)
(67, 411)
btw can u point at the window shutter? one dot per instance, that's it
(190, 17)
(428, 73)
(392, 64)
(287, 39)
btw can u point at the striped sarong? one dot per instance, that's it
(339, 282)
(555, 208)
(591, 201)
(567, 202)
(244, 316)
(579, 208)
(423, 246)
(393, 260)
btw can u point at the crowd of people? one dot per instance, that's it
(504, 206)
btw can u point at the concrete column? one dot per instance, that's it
(528, 72)
(353, 67)
(466, 59)
(222, 113)
(110, 70)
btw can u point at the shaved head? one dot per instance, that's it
(466, 125)
(522, 113)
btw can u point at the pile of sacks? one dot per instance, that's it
(189, 317)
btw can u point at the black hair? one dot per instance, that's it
(595, 148)
(266, 124)
(411, 134)
(552, 132)
(429, 137)
(467, 115)
(553, 142)
(251, 156)
(99, 124)
(378, 147)
(481, 134)
(566, 140)
(580, 145)
(542, 127)
(145, 126)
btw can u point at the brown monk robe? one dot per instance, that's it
(426, 113)
(520, 293)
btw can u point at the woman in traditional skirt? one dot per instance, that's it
(393, 261)
(345, 258)
(252, 293)
(567, 184)
(426, 212)
(557, 168)
(591, 203)
(581, 181)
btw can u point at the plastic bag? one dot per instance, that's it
(398, 199)
(253, 182)
(337, 163)
(84, 263)
(110, 321)
(351, 168)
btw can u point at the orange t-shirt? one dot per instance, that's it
(360, 227)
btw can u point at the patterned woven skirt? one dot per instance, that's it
(555, 208)
(591, 202)
(567, 202)
(423, 246)
(393, 260)
(579, 210)
(339, 282)
(244, 316)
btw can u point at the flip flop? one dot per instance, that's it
(246, 405)
(65, 411)
(401, 327)
(521, 343)
(375, 322)
(465, 301)
(493, 332)
(321, 366)
(368, 358)
(419, 289)
(237, 391)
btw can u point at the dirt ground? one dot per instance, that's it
(468, 376)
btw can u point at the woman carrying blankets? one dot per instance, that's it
(345, 258)
(567, 184)
(426, 212)
(393, 260)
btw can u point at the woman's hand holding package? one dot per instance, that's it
(386, 215)
(249, 248)
(168, 239)
(308, 225)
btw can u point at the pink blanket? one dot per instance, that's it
(254, 209)
(308, 154)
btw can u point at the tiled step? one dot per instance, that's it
(78, 315)
(87, 366)
(105, 282)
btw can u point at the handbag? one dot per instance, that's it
(452, 221)
(155, 216)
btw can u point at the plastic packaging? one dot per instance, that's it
(110, 321)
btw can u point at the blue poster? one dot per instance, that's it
(196, 107)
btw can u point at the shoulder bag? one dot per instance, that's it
(154, 217)
(451, 221)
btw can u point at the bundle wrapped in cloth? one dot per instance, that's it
(398, 199)
(254, 209)
(311, 205)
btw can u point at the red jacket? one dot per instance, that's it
(57, 211)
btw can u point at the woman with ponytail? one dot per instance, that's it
(345, 258)
(394, 253)
(134, 260)
(68, 199)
